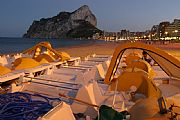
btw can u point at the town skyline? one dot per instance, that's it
(114, 16)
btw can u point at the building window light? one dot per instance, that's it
(176, 31)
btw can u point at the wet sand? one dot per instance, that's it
(109, 47)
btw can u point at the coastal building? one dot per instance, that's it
(153, 32)
(161, 29)
(96, 36)
(147, 35)
(166, 31)
(109, 35)
(173, 30)
(125, 34)
(138, 35)
(115, 36)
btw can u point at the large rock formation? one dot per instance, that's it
(80, 23)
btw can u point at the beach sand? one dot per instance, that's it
(84, 50)
(109, 47)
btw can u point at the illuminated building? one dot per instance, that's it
(161, 29)
(173, 30)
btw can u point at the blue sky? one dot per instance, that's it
(112, 15)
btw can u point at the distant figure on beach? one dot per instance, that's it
(145, 57)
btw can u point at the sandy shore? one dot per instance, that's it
(84, 50)
(109, 47)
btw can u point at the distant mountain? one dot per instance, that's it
(78, 24)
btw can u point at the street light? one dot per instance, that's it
(165, 35)
(176, 31)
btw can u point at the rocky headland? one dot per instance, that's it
(78, 24)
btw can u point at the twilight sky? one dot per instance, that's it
(113, 15)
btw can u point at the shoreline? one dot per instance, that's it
(107, 48)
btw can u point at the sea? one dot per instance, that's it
(17, 45)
